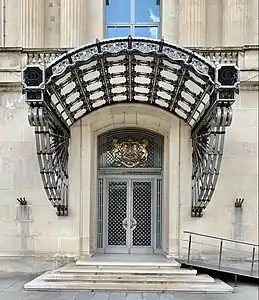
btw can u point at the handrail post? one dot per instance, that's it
(253, 260)
(189, 247)
(220, 252)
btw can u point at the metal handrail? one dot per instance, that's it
(223, 239)
(254, 246)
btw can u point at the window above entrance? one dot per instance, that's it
(133, 17)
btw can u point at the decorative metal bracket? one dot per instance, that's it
(130, 70)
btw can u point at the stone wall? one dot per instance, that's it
(45, 240)
(60, 23)
(33, 238)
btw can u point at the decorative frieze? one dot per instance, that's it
(217, 56)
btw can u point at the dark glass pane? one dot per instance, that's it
(113, 31)
(118, 11)
(147, 11)
(146, 31)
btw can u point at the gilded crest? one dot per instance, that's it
(130, 153)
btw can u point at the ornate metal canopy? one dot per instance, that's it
(130, 70)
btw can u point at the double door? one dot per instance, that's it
(129, 216)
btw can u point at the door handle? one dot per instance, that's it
(133, 223)
(125, 223)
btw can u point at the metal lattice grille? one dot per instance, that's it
(117, 212)
(159, 214)
(142, 211)
(106, 147)
(100, 215)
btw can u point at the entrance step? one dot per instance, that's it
(131, 273)
(40, 284)
(131, 264)
(122, 278)
(122, 261)
(96, 269)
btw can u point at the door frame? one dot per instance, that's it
(129, 178)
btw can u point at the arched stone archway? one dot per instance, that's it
(130, 70)
(83, 167)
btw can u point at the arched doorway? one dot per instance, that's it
(130, 172)
(133, 70)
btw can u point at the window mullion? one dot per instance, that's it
(132, 20)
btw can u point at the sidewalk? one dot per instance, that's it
(11, 288)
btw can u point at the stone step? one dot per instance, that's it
(40, 285)
(116, 270)
(131, 263)
(126, 278)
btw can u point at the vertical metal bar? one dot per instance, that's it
(220, 252)
(253, 260)
(189, 247)
(235, 280)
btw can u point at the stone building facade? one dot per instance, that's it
(33, 237)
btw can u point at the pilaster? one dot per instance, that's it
(173, 189)
(170, 20)
(1, 23)
(72, 22)
(214, 23)
(192, 20)
(32, 23)
(252, 31)
(234, 22)
(95, 16)
(86, 185)
(52, 24)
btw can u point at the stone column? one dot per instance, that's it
(12, 18)
(214, 23)
(1, 23)
(32, 23)
(73, 23)
(234, 22)
(170, 20)
(95, 20)
(192, 20)
(52, 23)
(253, 23)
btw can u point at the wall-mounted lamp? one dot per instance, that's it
(239, 202)
(22, 201)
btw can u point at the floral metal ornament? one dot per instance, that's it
(130, 153)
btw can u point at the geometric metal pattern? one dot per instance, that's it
(117, 213)
(142, 213)
(130, 70)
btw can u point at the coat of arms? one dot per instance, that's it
(130, 153)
